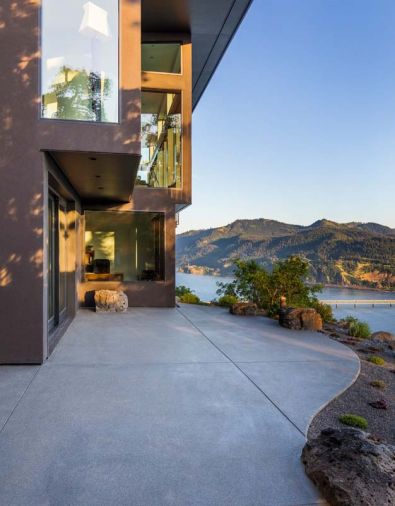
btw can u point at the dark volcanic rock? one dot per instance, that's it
(380, 404)
(351, 468)
(378, 345)
(300, 318)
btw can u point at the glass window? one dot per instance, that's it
(161, 57)
(124, 246)
(160, 140)
(80, 60)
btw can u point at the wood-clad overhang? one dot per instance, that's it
(211, 24)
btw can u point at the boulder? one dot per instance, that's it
(351, 467)
(244, 309)
(111, 301)
(382, 336)
(300, 318)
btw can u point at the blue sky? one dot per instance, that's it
(298, 123)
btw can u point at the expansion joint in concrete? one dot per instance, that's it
(244, 374)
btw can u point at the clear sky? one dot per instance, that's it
(298, 122)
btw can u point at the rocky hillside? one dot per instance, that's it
(352, 254)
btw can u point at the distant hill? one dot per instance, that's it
(349, 254)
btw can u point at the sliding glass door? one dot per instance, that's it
(51, 260)
(57, 260)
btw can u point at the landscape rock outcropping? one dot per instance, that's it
(383, 342)
(383, 337)
(111, 301)
(351, 467)
(247, 309)
(300, 318)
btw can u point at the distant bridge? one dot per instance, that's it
(359, 302)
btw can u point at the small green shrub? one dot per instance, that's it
(374, 359)
(189, 298)
(227, 300)
(350, 319)
(378, 384)
(182, 290)
(186, 295)
(354, 420)
(360, 329)
(324, 310)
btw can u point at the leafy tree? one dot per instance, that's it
(255, 283)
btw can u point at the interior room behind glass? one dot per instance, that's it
(124, 246)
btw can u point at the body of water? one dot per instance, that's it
(379, 317)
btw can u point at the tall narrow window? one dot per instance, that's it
(160, 140)
(80, 60)
(161, 57)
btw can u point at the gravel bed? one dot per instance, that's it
(356, 400)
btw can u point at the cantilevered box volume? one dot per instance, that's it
(95, 153)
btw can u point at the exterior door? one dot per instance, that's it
(51, 261)
(62, 234)
(57, 260)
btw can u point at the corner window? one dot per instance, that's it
(79, 75)
(160, 140)
(161, 57)
(124, 246)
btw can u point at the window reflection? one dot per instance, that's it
(80, 60)
(161, 57)
(160, 140)
(124, 246)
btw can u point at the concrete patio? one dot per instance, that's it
(188, 406)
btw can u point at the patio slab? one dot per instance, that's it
(139, 336)
(167, 418)
(14, 380)
(299, 371)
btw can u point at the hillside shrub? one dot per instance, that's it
(354, 420)
(227, 300)
(182, 290)
(350, 319)
(324, 310)
(378, 384)
(375, 359)
(186, 295)
(359, 329)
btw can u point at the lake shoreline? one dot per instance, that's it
(379, 317)
(356, 287)
(325, 285)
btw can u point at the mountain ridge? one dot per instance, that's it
(347, 254)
